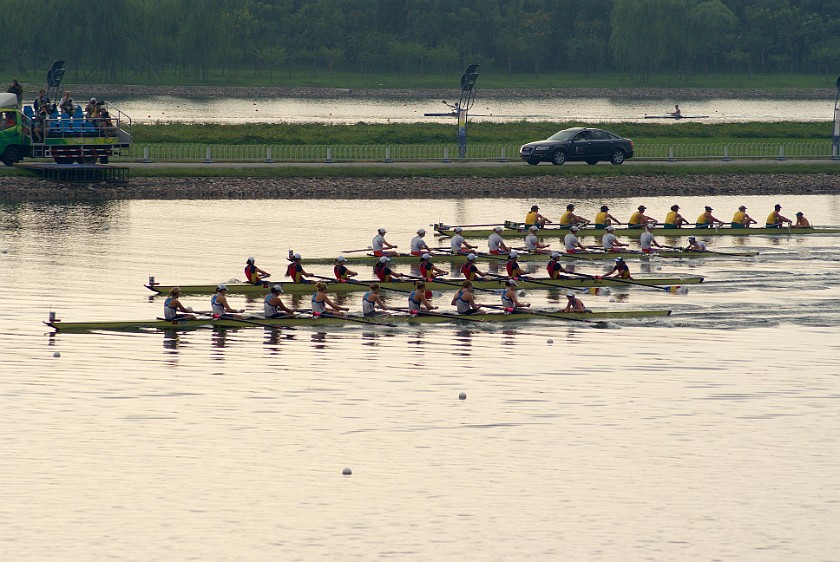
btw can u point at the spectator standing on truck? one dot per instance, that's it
(42, 101)
(16, 90)
(40, 125)
(66, 103)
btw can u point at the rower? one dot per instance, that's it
(254, 274)
(707, 220)
(428, 270)
(495, 244)
(620, 269)
(647, 241)
(340, 270)
(677, 113)
(464, 301)
(695, 245)
(320, 301)
(801, 221)
(470, 271)
(639, 219)
(570, 219)
(296, 272)
(509, 298)
(610, 243)
(458, 244)
(220, 307)
(741, 219)
(533, 244)
(418, 245)
(775, 219)
(418, 300)
(172, 306)
(554, 267)
(573, 245)
(534, 218)
(574, 304)
(512, 266)
(603, 219)
(371, 300)
(385, 273)
(273, 307)
(380, 246)
(674, 219)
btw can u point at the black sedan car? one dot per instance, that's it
(578, 143)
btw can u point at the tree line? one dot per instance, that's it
(115, 41)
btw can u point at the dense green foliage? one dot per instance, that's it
(493, 133)
(231, 41)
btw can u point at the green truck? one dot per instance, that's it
(77, 137)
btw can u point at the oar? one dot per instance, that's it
(382, 284)
(668, 289)
(688, 251)
(529, 280)
(354, 251)
(357, 320)
(546, 315)
(242, 320)
(455, 284)
(446, 226)
(443, 314)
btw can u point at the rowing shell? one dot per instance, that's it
(309, 321)
(676, 117)
(515, 229)
(523, 257)
(449, 285)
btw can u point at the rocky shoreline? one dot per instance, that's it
(16, 189)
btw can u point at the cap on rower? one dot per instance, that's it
(277, 289)
(619, 260)
(534, 208)
(250, 260)
(642, 207)
(692, 238)
(511, 282)
(604, 208)
(570, 207)
(610, 228)
(649, 226)
(296, 256)
(458, 229)
(497, 228)
(555, 254)
(426, 257)
(708, 208)
(534, 228)
(742, 208)
(675, 207)
(221, 287)
(777, 206)
(381, 231)
(799, 213)
(570, 294)
(575, 228)
(340, 259)
(513, 254)
(471, 257)
(384, 259)
(421, 231)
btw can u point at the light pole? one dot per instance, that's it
(464, 104)
(835, 137)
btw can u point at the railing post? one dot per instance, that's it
(504, 155)
(726, 157)
(268, 158)
(446, 159)
(145, 159)
(670, 154)
(329, 159)
(388, 155)
(834, 152)
(781, 152)
(208, 159)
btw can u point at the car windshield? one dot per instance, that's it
(564, 135)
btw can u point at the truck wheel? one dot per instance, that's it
(12, 155)
(103, 159)
(63, 160)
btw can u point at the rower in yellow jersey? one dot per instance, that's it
(741, 219)
(707, 220)
(603, 219)
(775, 219)
(534, 218)
(639, 219)
(674, 219)
(570, 219)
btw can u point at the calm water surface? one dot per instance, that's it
(708, 435)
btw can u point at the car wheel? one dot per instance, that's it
(558, 158)
(592, 161)
(12, 155)
(533, 162)
(617, 157)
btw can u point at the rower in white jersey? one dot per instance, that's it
(458, 244)
(371, 300)
(573, 245)
(495, 244)
(464, 301)
(172, 306)
(220, 307)
(273, 307)
(379, 246)
(418, 245)
(646, 240)
(533, 244)
(509, 299)
(610, 241)
(695, 245)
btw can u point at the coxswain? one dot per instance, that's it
(509, 298)
(801, 221)
(273, 307)
(254, 274)
(220, 307)
(379, 246)
(464, 301)
(172, 306)
(695, 245)
(620, 270)
(775, 219)
(512, 266)
(533, 244)
(674, 219)
(573, 245)
(296, 272)
(603, 219)
(371, 300)
(707, 220)
(418, 300)
(470, 271)
(458, 244)
(554, 267)
(647, 241)
(639, 219)
(342, 274)
(418, 245)
(610, 243)
(741, 219)
(570, 219)
(383, 272)
(428, 270)
(495, 244)
(574, 304)
(534, 218)
(320, 301)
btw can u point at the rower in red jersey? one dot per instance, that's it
(428, 270)
(340, 270)
(385, 273)
(512, 266)
(254, 274)
(296, 272)
(554, 267)
(470, 271)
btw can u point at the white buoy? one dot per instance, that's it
(347, 472)
(549, 341)
(5, 250)
(57, 354)
(462, 396)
